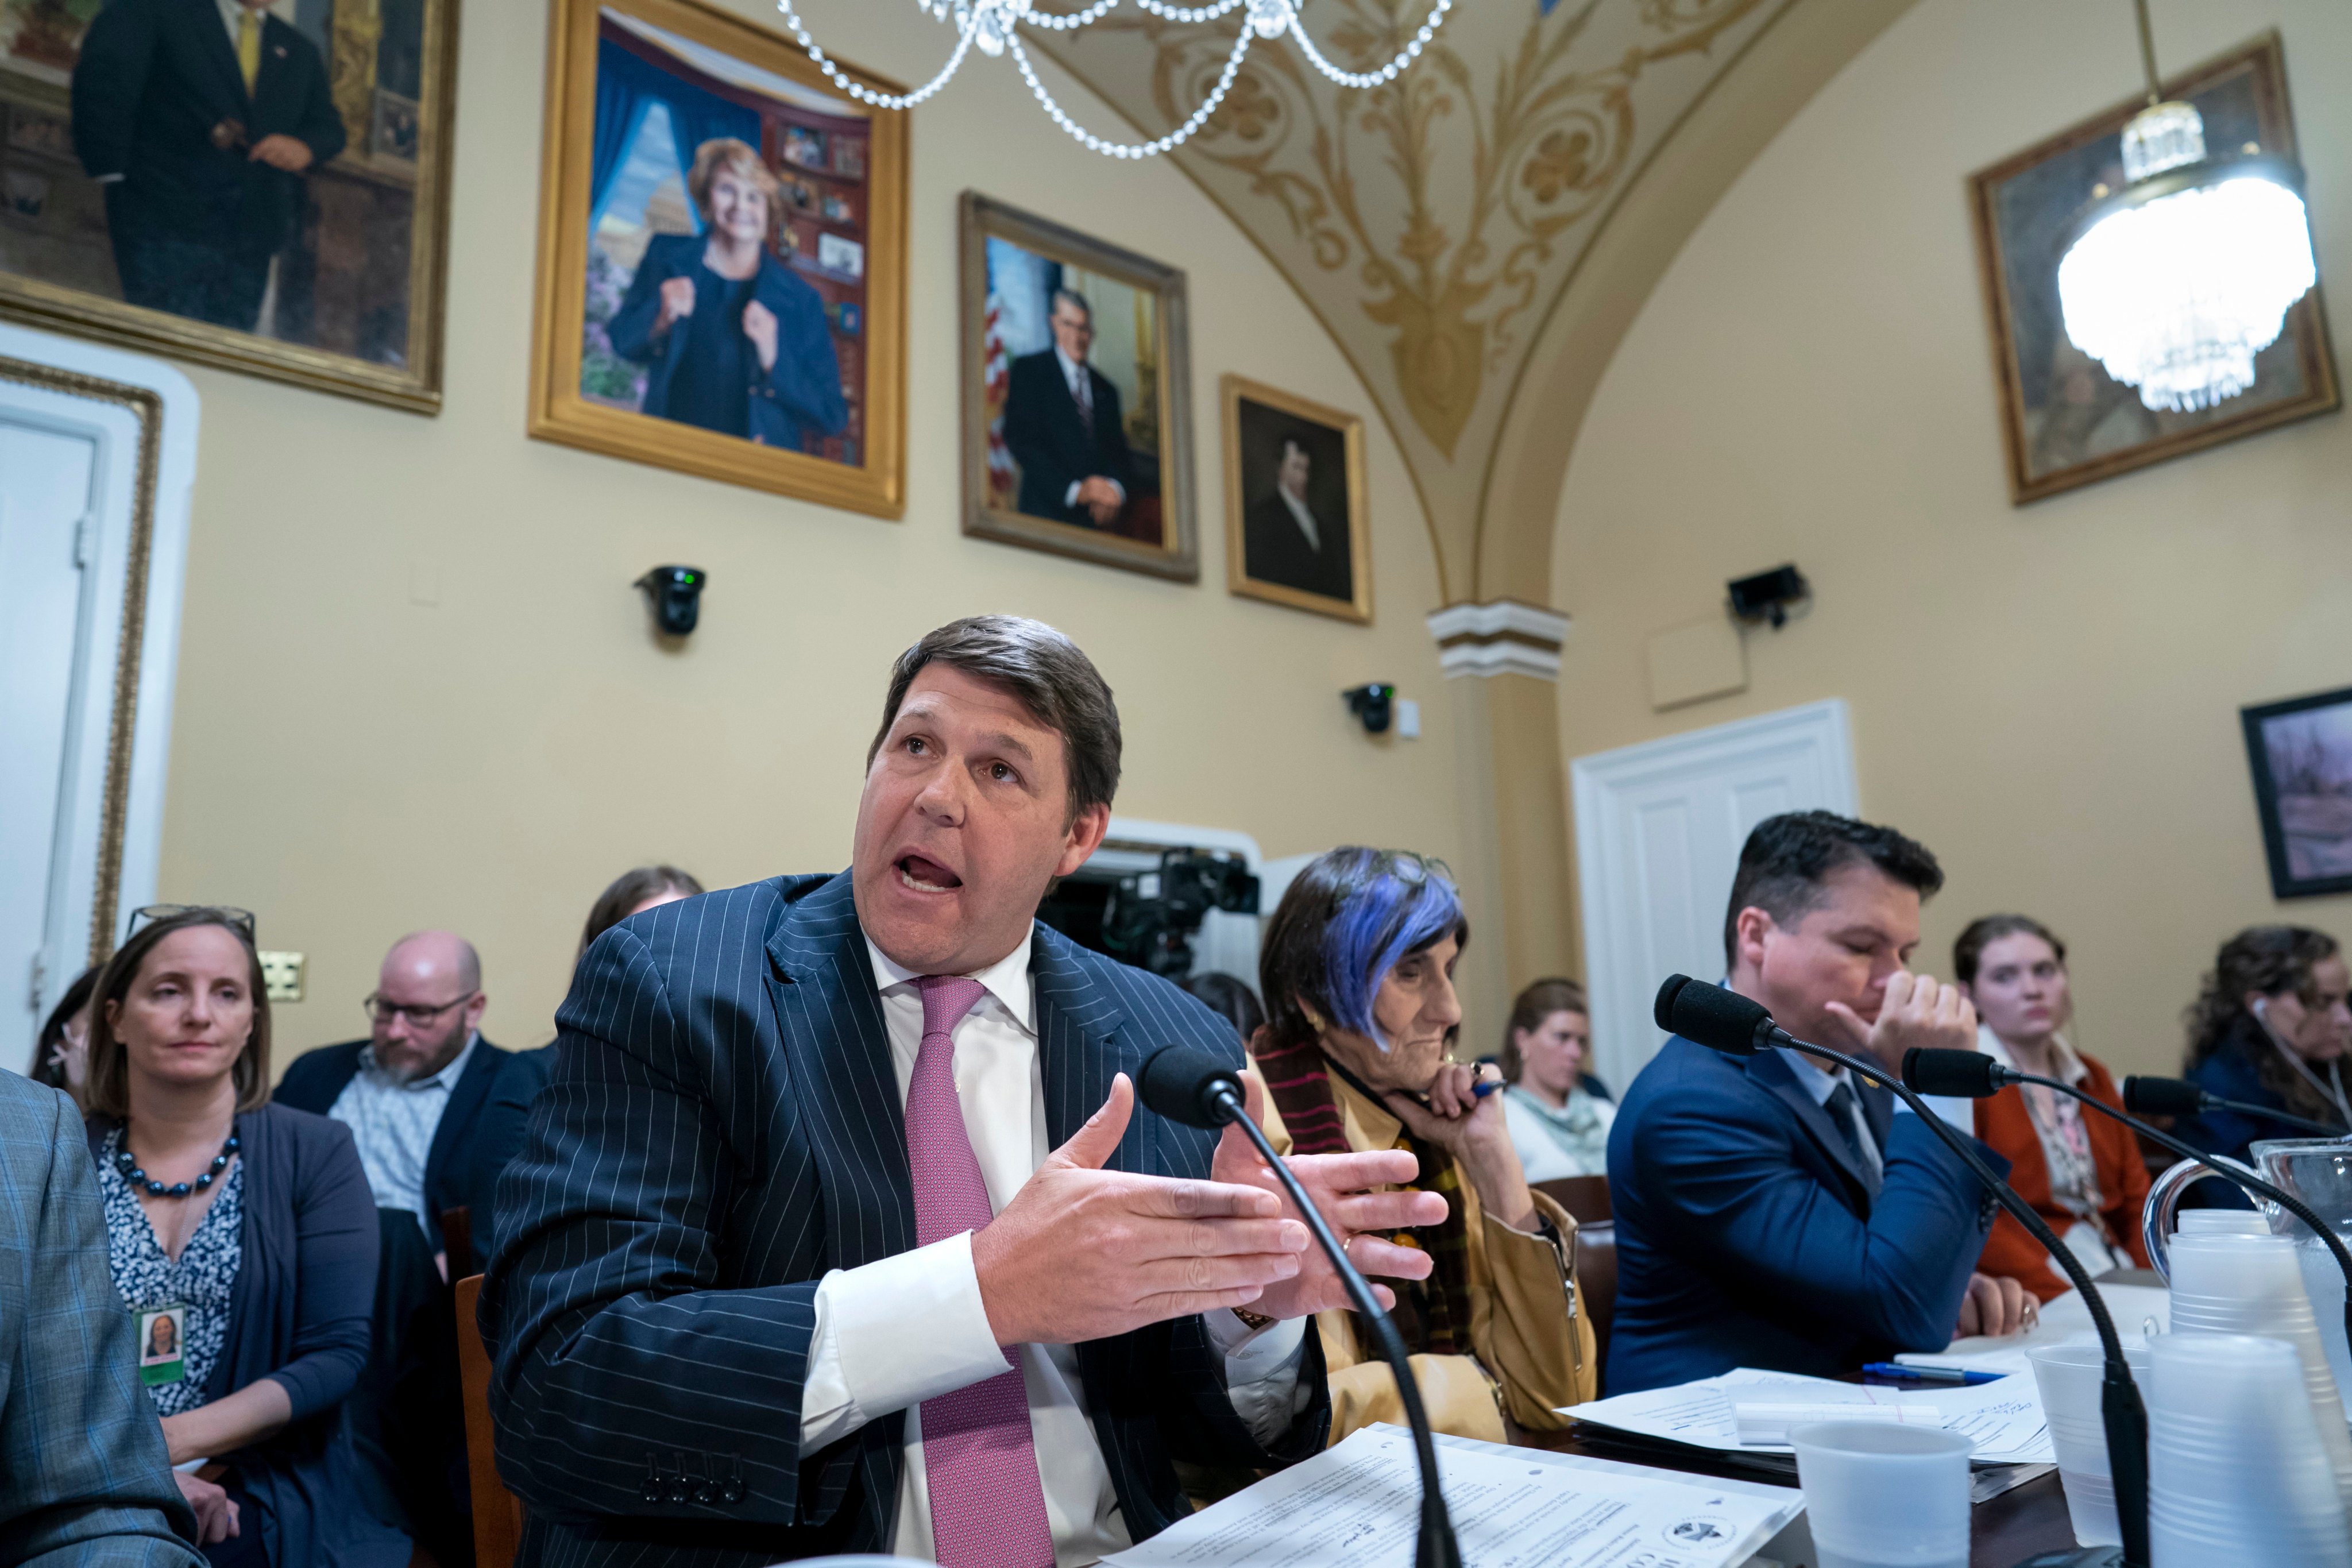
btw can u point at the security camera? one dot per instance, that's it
(1767, 595)
(1373, 703)
(676, 594)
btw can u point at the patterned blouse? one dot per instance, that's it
(146, 1277)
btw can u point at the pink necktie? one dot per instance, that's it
(988, 1510)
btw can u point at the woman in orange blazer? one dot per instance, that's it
(2081, 1172)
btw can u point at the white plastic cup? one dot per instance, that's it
(2071, 1377)
(2236, 1474)
(1881, 1496)
(2219, 1222)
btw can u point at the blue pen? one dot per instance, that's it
(1484, 1086)
(1929, 1374)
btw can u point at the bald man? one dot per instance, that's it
(436, 1109)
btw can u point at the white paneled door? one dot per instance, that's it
(1658, 831)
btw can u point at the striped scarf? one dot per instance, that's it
(1433, 1314)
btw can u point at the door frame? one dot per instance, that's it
(1626, 1035)
(111, 817)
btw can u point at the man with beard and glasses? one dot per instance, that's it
(436, 1109)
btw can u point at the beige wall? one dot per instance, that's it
(351, 764)
(2048, 696)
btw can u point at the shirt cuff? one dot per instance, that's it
(1956, 1110)
(104, 179)
(1070, 496)
(912, 1327)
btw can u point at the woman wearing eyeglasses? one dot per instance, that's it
(1357, 976)
(256, 1219)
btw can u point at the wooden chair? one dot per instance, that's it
(1596, 1282)
(498, 1512)
(1586, 1198)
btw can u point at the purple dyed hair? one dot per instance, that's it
(1343, 924)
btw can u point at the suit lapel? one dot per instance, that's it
(836, 1058)
(1878, 1110)
(214, 45)
(466, 1097)
(274, 58)
(1770, 1070)
(1081, 1048)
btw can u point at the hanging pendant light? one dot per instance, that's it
(2176, 282)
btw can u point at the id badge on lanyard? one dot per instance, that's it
(163, 1343)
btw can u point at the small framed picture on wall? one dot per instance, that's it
(2301, 754)
(1298, 529)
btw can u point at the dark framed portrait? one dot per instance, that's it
(2065, 421)
(2301, 754)
(224, 182)
(722, 256)
(1297, 531)
(1076, 396)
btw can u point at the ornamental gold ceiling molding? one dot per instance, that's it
(1433, 222)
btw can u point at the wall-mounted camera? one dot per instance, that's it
(1767, 595)
(1374, 703)
(675, 593)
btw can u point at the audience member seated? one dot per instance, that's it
(251, 1225)
(1358, 975)
(2081, 1172)
(437, 1111)
(1558, 1113)
(2269, 1028)
(634, 892)
(1774, 1215)
(61, 1056)
(1230, 998)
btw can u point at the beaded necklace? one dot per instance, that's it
(129, 1166)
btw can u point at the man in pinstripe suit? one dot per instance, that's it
(785, 1265)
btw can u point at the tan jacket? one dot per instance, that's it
(1533, 1348)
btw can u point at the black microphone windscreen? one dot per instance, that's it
(1177, 1081)
(2162, 1097)
(1712, 1016)
(1967, 1074)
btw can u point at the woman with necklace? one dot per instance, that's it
(252, 1224)
(2080, 1170)
(1358, 975)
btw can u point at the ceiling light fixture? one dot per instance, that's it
(2176, 282)
(991, 27)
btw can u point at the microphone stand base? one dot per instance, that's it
(2077, 1557)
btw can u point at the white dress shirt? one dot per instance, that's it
(394, 1123)
(1820, 1082)
(1302, 517)
(1081, 383)
(895, 1333)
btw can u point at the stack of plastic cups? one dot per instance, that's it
(2253, 1285)
(2219, 1222)
(2071, 1377)
(2236, 1474)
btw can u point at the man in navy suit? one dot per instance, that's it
(1061, 423)
(835, 1229)
(1772, 1213)
(437, 1111)
(201, 117)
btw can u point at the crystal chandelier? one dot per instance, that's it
(2176, 282)
(991, 26)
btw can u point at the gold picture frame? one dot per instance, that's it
(356, 318)
(1018, 271)
(839, 230)
(1269, 554)
(2064, 422)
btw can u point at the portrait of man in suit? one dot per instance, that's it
(1062, 421)
(1294, 483)
(202, 119)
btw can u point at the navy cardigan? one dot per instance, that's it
(301, 1313)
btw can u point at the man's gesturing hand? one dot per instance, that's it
(1342, 1188)
(1082, 1252)
(1914, 1011)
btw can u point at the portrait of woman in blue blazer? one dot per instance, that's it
(735, 342)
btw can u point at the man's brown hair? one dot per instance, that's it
(1056, 683)
(109, 1090)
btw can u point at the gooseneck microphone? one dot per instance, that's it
(1738, 1026)
(1189, 1086)
(1976, 1075)
(2178, 1097)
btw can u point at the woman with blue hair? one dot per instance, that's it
(1357, 976)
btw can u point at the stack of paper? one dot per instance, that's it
(2003, 1418)
(1358, 1505)
(2138, 1310)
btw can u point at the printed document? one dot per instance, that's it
(2004, 1418)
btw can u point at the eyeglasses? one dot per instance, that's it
(1407, 867)
(380, 1011)
(242, 919)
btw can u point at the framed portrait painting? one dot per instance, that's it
(722, 256)
(2065, 421)
(2301, 754)
(1297, 531)
(1076, 396)
(258, 184)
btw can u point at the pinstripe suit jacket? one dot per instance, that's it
(83, 1475)
(723, 1126)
